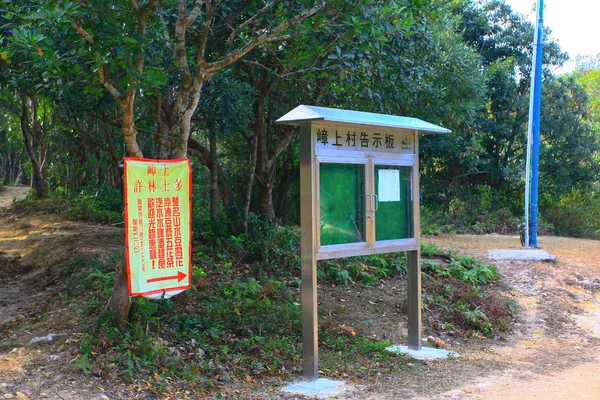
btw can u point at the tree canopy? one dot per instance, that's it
(86, 83)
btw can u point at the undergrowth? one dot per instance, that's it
(102, 205)
(479, 222)
(240, 321)
(242, 318)
(460, 295)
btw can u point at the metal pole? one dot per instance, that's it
(414, 262)
(535, 143)
(414, 299)
(530, 130)
(310, 338)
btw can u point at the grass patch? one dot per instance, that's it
(461, 296)
(241, 321)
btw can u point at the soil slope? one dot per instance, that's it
(552, 352)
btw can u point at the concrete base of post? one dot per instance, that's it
(526, 255)
(425, 353)
(321, 388)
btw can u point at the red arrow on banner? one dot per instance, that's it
(180, 276)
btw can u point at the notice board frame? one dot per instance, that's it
(314, 149)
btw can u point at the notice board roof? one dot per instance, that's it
(313, 113)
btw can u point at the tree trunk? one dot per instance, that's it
(162, 152)
(250, 183)
(264, 164)
(119, 303)
(114, 170)
(265, 160)
(203, 154)
(267, 150)
(34, 143)
(5, 170)
(288, 176)
(214, 176)
(265, 199)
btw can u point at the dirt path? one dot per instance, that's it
(31, 243)
(551, 354)
(9, 194)
(554, 352)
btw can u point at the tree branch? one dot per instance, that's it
(266, 37)
(109, 86)
(135, 5)
(279, 75)
(250, 71)
(191, 19)
(250, 20)
(142, 15)
(194, 148)
(282, 142)
(207, 25)
(147, 8)
(163, 23)
(181, 54)
(88, 38)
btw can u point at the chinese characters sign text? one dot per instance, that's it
(157, 225)
(364, 140)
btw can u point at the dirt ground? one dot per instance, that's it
(551, 353)
(554, 351)
(29, 245)
(12, 193)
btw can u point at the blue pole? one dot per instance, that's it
(535, 145)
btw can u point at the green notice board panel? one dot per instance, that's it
(342, 192)
(393, 219)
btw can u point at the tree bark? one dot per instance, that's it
(250, 183)
(267, 150)
(264, 170)
(214, 176)
(119, 303)
(34, 143)
(288, 177)
(5, 168)
(190, 87)
(162, 152)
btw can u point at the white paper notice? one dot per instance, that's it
(389, 185)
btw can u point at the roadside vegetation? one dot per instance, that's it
(84, 84)
(241, 321)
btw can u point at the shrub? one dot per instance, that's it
(576, 214)
(102, 205)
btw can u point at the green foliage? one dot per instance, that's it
(366, 270)
(476, 219)
(103, 205)
(574, 215)
(462, 64)
(338, 275)
(479, 321)
(457, 291)
(359, 345)
(82, 364)
(92, 276)
(466, 269)
(242, 327)
(277, 248)
(479, 168)
(430, 249)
